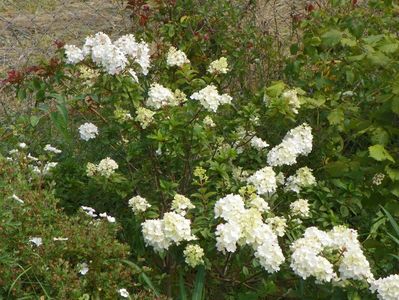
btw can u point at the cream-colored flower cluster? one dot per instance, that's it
(105, 168)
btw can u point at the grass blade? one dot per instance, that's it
(182, 288)
(143, 276)
(199, 284)
(391, 220)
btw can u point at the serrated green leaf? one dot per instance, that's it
(379, 153)
(331, 38)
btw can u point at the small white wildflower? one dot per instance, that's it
(123, 293)
(16, 198)
(50, 148)
(106, 216)
(89, 211)
(83, 268)
(210, 98)
(60, 239)
(218, 66)
(88, 131)
(22, 145)
(48, 167)
(176, 57)
(138, 204)
(37, 241)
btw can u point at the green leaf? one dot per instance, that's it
(182, 288)
(379, 153)
(336, 117)
(199, 284)
(392, 173)
(275, 89)
(34, 120)
(391, 220)
(331, 38)
(395, 105)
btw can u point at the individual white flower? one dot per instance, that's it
(219, 66)
(22, 145)
(227, 236)
(177, 228)
(89, 211)
(50, 148)
(210, 98)
(48, 167)
(208, 122)
(153, 233)
(193, 255)
(303, 178)
(387, 288)
(293, 101)
(264, 180)
(37, 241)
(258, 143)
(181, 204)
(138, 204)
(59, 239)
(260, 204)
(107, 167)
(99, 38)
(88, 131)
(30, 157)
(74, 54)
(378, 178)
(278, 225)
(83, 268)
(229, 207)
(300, 208)
(145, 117)
(297, 141)
(176, 57)
(128, 45)
(159, 96)
(16, 198)
(123, 293)
(108, 217)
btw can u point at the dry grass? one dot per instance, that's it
(29, 27)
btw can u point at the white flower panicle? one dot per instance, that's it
(176, 57)
(210, 98)
(138, 204)
(229, 208)
(106, 168)
(378, 178)
(300, 208)
(144, 116)
(245, 227)
(181, 204)
(74, 54)
(162, 233)
(153, 233)
(387, 288)
(308, 258)
(278, 225)
(88, 131)
(159, 96)
(258, 143)
(293, 101)
(297, 141)
(219, 66)
(303, 178)
(112, 57)
(264, 180)
(52, 149)
(193, 255)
